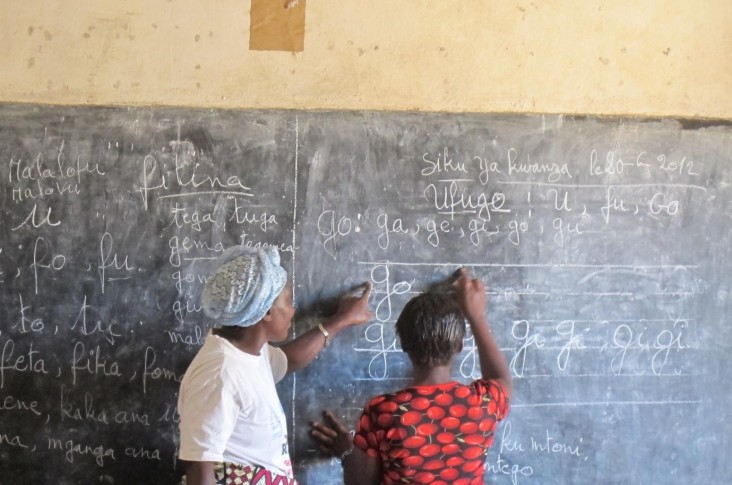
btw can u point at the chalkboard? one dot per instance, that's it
(605, 245)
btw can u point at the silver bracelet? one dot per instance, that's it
(325, 333)
(345, 454)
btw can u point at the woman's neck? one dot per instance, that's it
(426, 376)
(247, 339)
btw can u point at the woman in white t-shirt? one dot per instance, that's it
(232, 427)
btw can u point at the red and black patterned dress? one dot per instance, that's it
(436, 434)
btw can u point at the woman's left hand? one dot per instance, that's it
(334, 438)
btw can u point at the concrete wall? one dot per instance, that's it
(627, 57)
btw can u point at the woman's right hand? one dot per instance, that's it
(471, 296)
(354, 310)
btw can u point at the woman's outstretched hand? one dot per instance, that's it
(334, 438)
(354, 310)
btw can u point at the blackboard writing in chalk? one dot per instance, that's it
(605, 245)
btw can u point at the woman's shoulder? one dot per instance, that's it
(488, 386)
(388, 400)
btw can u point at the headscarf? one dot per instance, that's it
(243, 286)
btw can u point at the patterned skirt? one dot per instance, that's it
(235, 474)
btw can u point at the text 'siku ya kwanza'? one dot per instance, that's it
(599, 163)
(444, 163)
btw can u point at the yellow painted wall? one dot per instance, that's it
(630, 57)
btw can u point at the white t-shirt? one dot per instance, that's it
(229, 409)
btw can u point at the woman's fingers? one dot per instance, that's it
(334, 422)
(366, 292)
(324, 430)
(333, 437)
(320, 436)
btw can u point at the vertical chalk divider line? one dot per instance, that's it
(294, 286)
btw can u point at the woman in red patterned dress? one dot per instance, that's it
(436, 430)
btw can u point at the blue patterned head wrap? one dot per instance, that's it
(244, 286)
